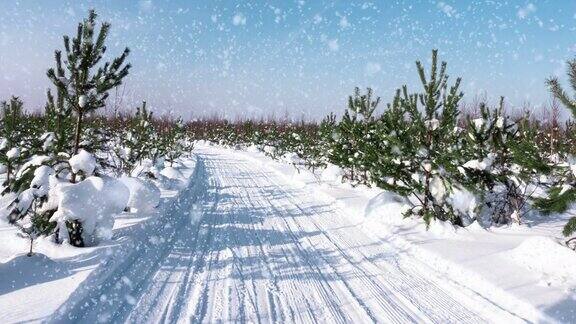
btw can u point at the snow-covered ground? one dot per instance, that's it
(253, 240)
(39, 288)
(522, 268)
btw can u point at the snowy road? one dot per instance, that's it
(265, 251)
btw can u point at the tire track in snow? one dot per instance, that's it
(109, 294)
(265, 251)
(368, 270)
(426, 294)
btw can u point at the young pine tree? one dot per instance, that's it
(58, 118)
(12, 136)
(421, 135)
(501, 162)
(563, 194)
(84, 83)
(137, 141)
(354, 135)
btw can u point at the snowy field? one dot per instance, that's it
(247, 239)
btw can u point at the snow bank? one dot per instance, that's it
(93, 202)
(387, 207)
(172, 173)
(142, 168)
(5, 202)
(144, 195)
(544, 255)
(30, 268)
(332, 173)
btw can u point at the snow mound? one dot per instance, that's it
(172, 173)
(546, 256)
(23, 271)
(170, 178)
(93, 202)
(441, 229)
(142, 168)
(83, 161)
(387, 207)
(5, 201)
(252, 149)
(144, 195)
(332, 173)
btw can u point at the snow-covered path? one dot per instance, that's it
(266, 251)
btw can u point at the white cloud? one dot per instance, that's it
(70, 12)
(146, 5)
(525, 11)
(372, 68)
(333, 45)
(239, 19)
(447, 9)
(344, 22)
(317, 19)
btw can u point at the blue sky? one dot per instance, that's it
(295, 57)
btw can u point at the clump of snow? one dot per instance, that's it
(465, 204)
(478, 123)
(48, 140)
(544, 255)
(438, 189)
(82, 101)
(39, 187)
(36, 160)
(93, 202)
(13, 153)
(292, 158)
(432, 124)
(481, 165)
(83, 162)
(3, 143)
(41, 177)
(144, 195)
(5, 201)
(500, 122)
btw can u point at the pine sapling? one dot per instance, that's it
(84, 83)
(563, 194)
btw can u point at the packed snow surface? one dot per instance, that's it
(250, 240)
(248, 246)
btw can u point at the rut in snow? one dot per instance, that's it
(243, 245)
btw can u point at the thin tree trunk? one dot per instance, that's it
(8, 171)
(77, 141)
(427, 172)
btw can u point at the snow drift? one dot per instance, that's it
(144, 195)
(93, 202)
